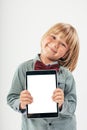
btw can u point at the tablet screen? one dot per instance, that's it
(41, 85)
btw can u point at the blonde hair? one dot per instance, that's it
(70, 35)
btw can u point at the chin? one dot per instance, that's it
(52, 58)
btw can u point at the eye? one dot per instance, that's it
(54, 37)
(63, 45)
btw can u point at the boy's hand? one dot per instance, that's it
(58, 97)
(25, 99)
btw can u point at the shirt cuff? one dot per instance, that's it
(17, 108)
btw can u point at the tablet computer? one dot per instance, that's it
(41, 84)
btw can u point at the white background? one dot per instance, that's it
(22, 23)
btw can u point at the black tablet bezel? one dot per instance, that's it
(42, 115)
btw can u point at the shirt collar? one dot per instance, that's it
(38, 58)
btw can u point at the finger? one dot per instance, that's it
(25, 96)
(58, 98)
(24, 103)
(58, 94)
(26, 100)
(58, 90)
(60, 102)
(25, 92)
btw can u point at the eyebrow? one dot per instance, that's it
(63, 43)
(56, 35)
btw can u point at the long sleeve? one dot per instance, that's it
(18, 84)
(70, 99)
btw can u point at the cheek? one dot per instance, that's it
(47, 40)
(62, 52)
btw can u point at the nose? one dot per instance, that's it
(55, 44)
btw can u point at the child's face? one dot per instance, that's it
(53, 47)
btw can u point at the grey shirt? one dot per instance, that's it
(66, 119)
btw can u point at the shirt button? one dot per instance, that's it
(50, 124)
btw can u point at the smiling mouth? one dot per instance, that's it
(53, 50)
